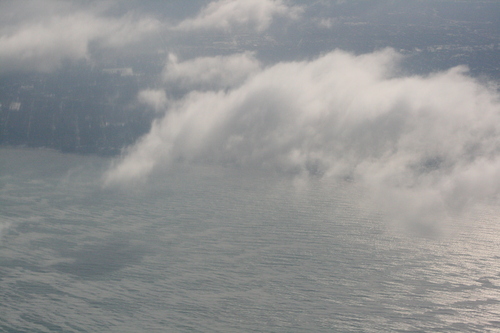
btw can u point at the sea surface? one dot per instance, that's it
(214, 249)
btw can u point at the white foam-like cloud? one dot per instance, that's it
(425, 146)
(42, 43)
(227, 14)
(209, 73)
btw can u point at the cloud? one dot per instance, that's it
(156, 99)
(4, 226)
(425, 147)
(41, 43)
(207, 73)
(326, 23)
(227, 14)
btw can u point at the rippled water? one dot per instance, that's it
(205, 249)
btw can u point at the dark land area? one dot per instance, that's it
(77, 109)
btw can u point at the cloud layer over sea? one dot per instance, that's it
(426, 146)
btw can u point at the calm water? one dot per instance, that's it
(205, 249)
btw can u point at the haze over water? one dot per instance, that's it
(205, 249)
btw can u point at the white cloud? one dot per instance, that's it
(426, 146)
(226, 14)
(326, 23)
(210, 72)
(156, 99)
(41, 44)
(4, 226)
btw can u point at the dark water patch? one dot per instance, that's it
(283, 259)
(486, 283)
(117, 305)
(477, 304)
(39, 228)
(97, 260)
(464, 287)
(9, 329)
(38, 321)
(71, 220)
(36, 288)
(29, 265)
(443, 312)
(54, 243)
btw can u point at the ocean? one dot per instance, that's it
(207, 248)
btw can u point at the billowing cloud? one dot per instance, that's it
(427, 146)
(210, 72)
(227, 14)
(42, 43)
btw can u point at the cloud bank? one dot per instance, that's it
(427, 146)
(228, 14)
(42, 42)
(40, 35)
